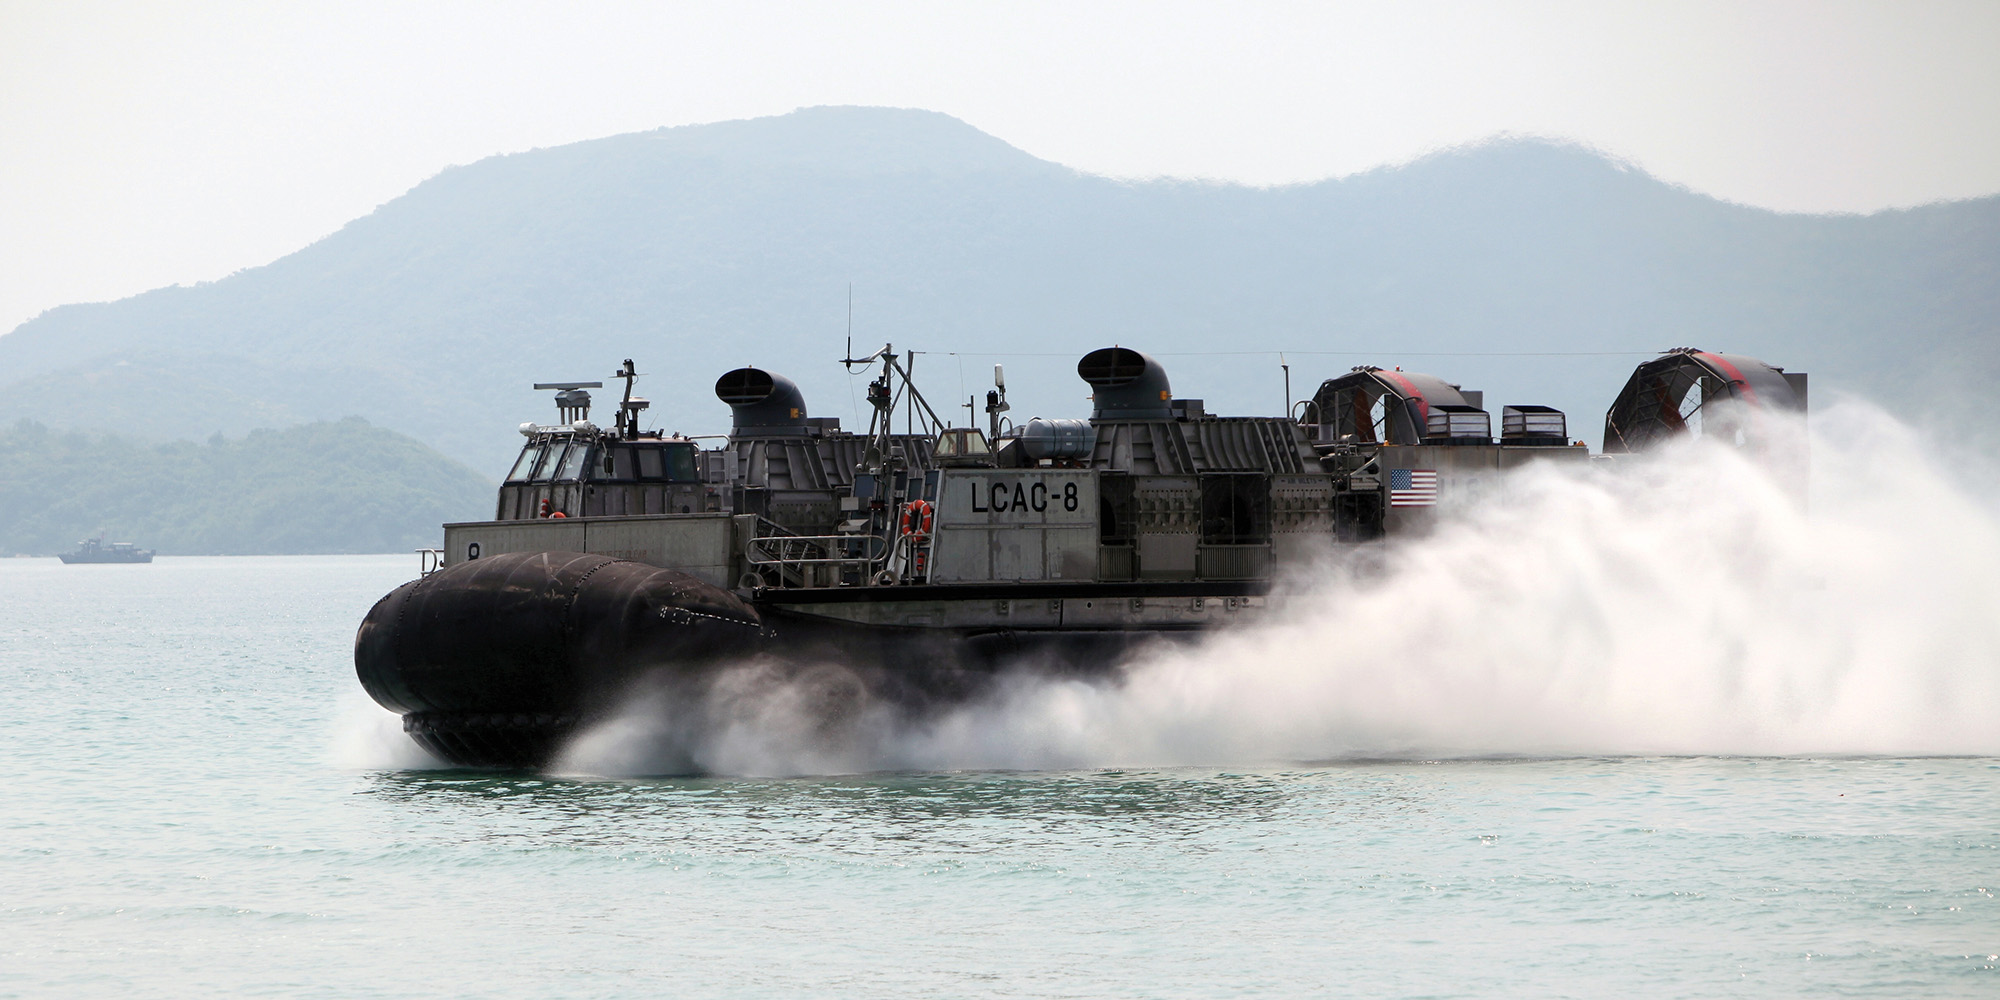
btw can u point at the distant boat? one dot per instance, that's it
(93, 550)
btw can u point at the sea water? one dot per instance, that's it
(1655, 735)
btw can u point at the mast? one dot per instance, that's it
(628, 417)
(892, 387)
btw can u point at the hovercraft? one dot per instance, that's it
(924, 562)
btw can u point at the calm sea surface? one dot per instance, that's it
(200, 802)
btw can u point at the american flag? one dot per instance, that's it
(1413, 487)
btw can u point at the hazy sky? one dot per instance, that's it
(144, 144)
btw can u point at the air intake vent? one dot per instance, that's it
(1112, 366)
(744, 386)
(1450, 423)
(1523, 424)
(1128, 385)
(765, 405)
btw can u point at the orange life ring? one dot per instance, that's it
(917, 518)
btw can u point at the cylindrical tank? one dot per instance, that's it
(1043, 438)
(1126, 385)
(494, 662)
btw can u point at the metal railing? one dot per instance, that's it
(808, 561)
(429, 561)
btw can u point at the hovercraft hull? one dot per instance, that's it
(628, 569)
(499, 662)
(496, 661)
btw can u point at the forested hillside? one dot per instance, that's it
(342, 486)
(1537, 272)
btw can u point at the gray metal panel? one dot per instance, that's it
(839, 456)
(1143, 448)
(1228, 446)
(1170, 445)
(1168, 517)
(1797, 380)
(1515, 456)
(816, 467)
(636, 499)
(1166, 557)
(808, 512)
(1017, 497)
(1167, 502)
(1233, 562)
(1213, 444)
(1018, 554)
(494, 538)
(1302, 522)
(1156, 612)
(1301, 548)
(806, 462)
(989, 530)
(1115, 562)
(1036, 613)
(1070, 553)
(1291, 447)
(962, 554)
(698, 544)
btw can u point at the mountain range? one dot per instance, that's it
(1537, 271)
(323, 487)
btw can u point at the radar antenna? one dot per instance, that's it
(572, 403)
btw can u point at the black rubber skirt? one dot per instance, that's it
(496, 662)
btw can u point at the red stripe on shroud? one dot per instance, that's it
(1423, 405)
(1735, 375)
(1749, 396)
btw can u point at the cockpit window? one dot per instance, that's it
(956, 442)
(673, 462)
(680, 463)
(525, 465)
(548, 468)
(617, 464)
(572, 466)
